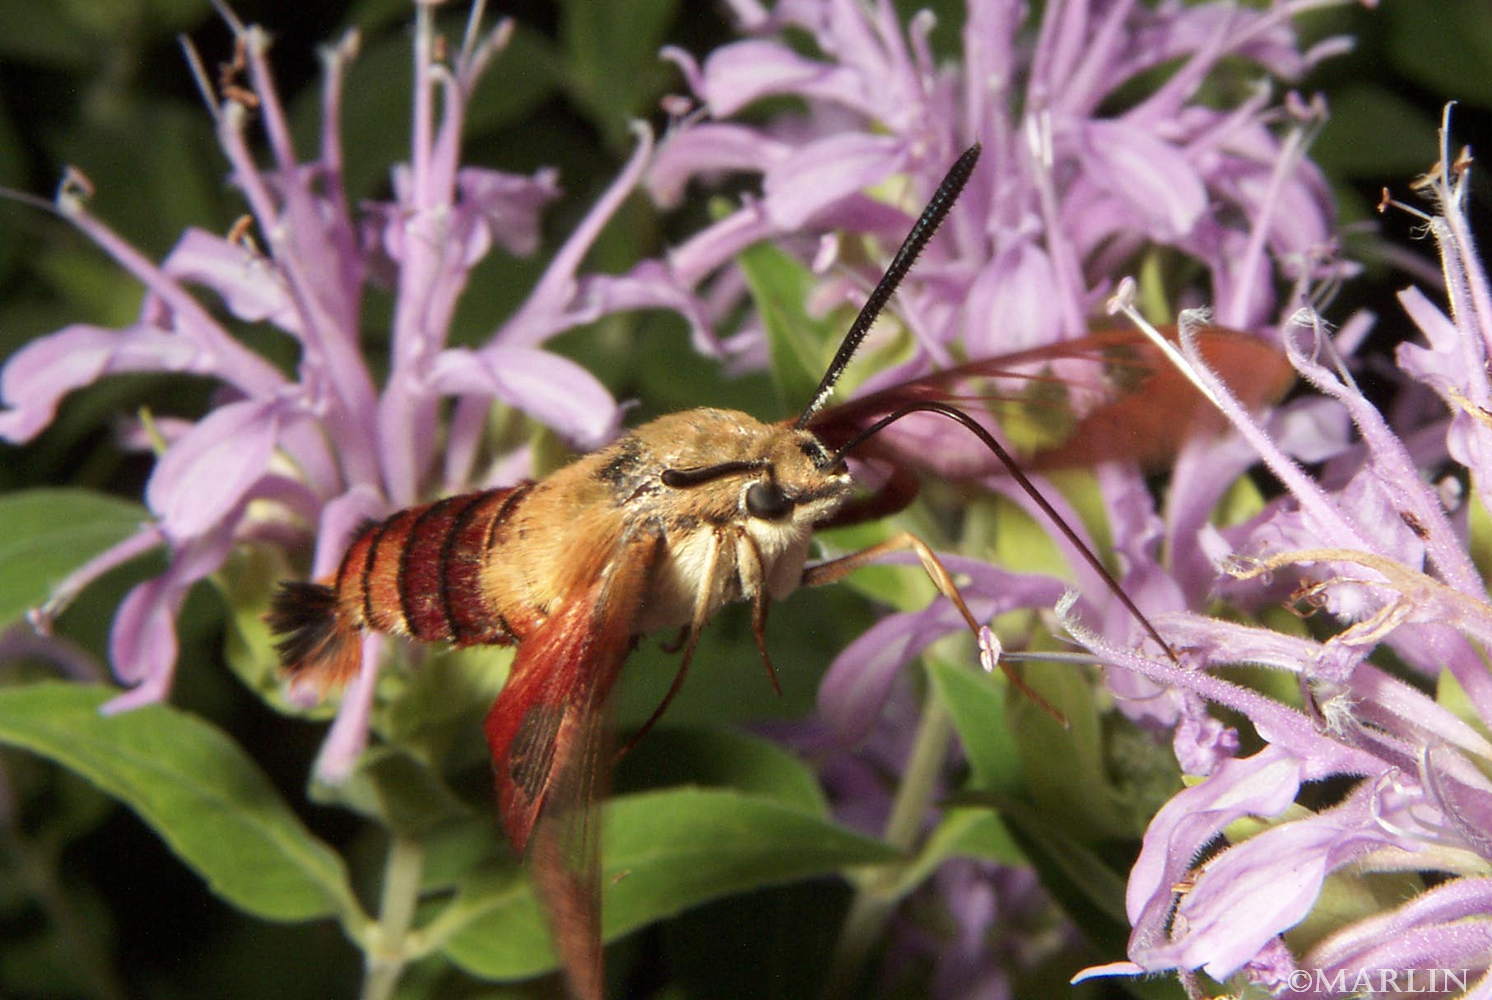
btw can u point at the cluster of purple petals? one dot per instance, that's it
(1069, 188)
(1093, 160)
(326, 446)
(1086, 170)
(1382, 554)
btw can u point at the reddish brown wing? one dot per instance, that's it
(1155, 410)
(1120, 397)
(547, 735)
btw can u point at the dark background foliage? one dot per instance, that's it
(91, 903)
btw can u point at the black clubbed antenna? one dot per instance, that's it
(932, 216)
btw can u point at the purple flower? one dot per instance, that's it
(1067, 194)
(1372, 547)
(330, 445)
(1067, 190)
(1099, 150)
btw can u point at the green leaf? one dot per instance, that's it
(46, 534)
(1065, 768)
(722, 758)
(454, 851)
(799, 343)
(156, 170)
(195, 787)
(522, 77)
(48, 34)
(976, 701)
(1444, 46)
(245, 583)
(434, 707)
(612, 52)
(662, 852)
(1374, 131)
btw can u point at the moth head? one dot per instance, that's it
(731, 466)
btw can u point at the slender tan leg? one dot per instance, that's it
(754, 586)
(837, 569)
(759, 606)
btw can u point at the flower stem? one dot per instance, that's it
(876, 894)
(386, 953)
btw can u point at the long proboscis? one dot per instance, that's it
(1008, 460)
(932, 216)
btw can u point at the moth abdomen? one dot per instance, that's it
(416, 573)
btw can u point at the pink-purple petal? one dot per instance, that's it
(1008, 307)
(39, 375)
(651, 284)
(1158, 185)
(202, 477)
(554, 390)
(821, 173)
(858, 682)
(709, 148)
(1439, 905)
(1261, 785)
(738, 74)
(510, 204)
(348, 737)
(249, 284)
(1257, 889)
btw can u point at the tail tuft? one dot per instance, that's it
(315, 645)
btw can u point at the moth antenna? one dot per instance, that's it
(937, 209)
(1009, 462)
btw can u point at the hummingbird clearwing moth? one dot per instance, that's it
(657, 530)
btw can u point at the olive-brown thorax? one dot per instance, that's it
(733, 502)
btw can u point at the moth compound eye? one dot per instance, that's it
(767, 501)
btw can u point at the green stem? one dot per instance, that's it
(385, 947)
(875, 895)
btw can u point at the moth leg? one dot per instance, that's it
(754, 585)
(704, 603)
(676, 643)
(837, 569)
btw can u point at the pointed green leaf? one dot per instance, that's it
(722, 758)
(976, 701)
(611, 52)
(195, 787)
(662, 852)
(46, 534)
(1064, 767)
